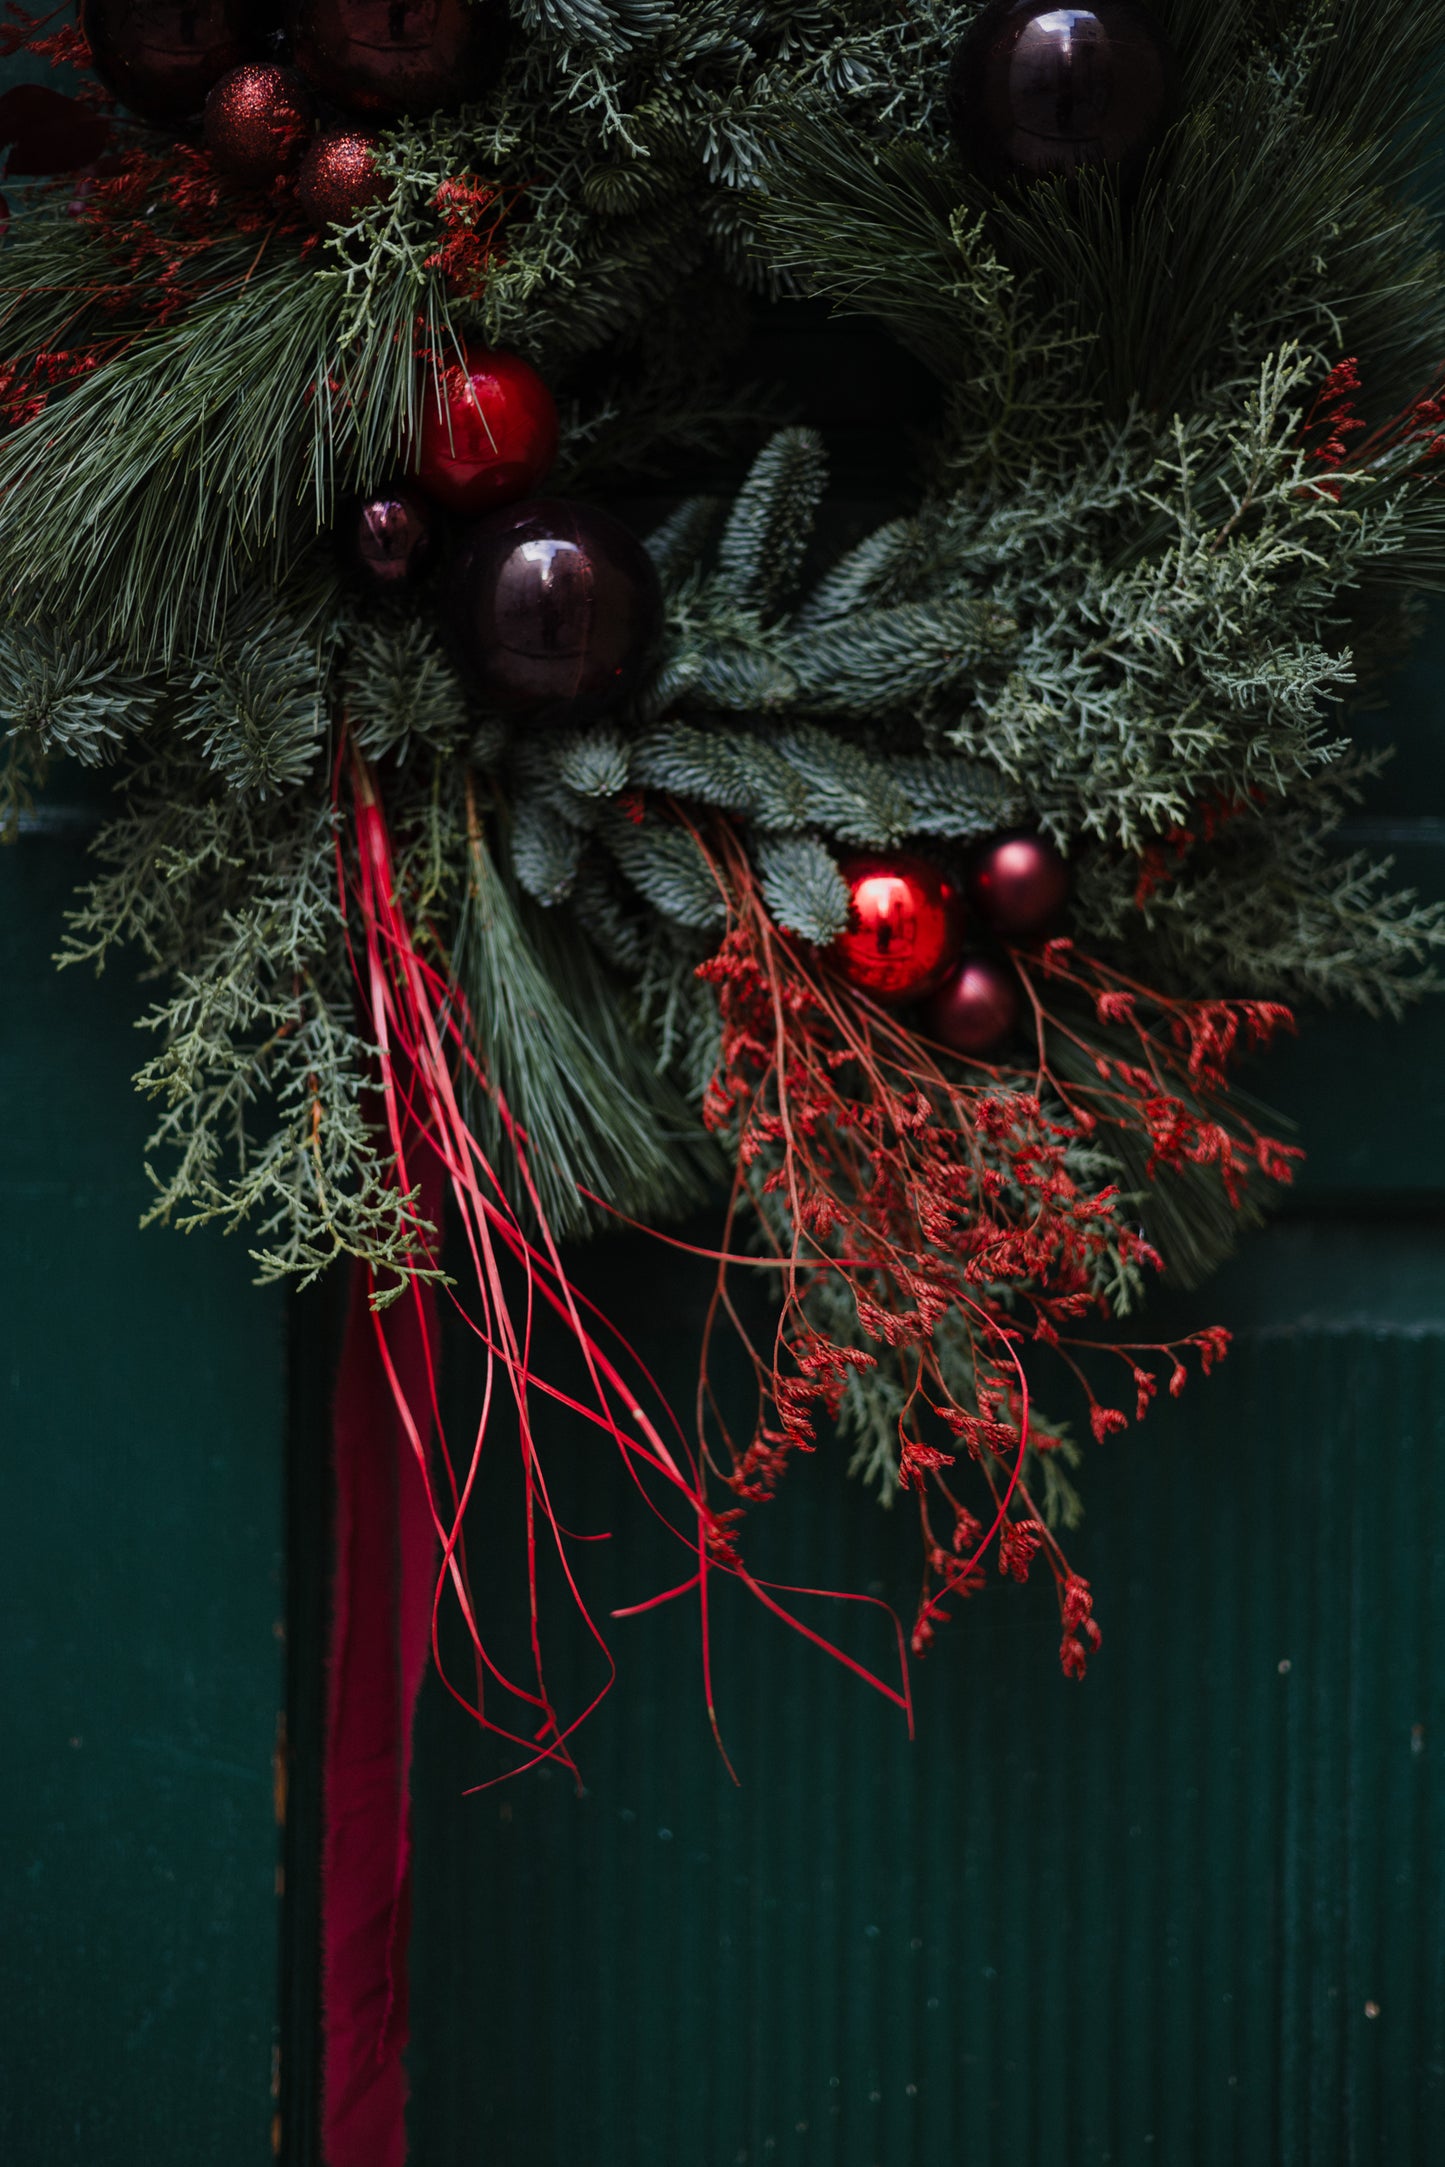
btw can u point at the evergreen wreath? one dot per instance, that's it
(1176, 519)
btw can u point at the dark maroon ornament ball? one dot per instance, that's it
(488, 433)
(256, 120)
(1036, 89)
(398, 56)
(555, 606)
(339, 178)
(1019, 885)
(905, 926)
(160, 57)
(976, 1008)
(389, 539)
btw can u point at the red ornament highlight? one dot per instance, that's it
(1019, 884)
(339, 179)
(905, 927)
(976, 1008)
(490, 436)
(256, 121)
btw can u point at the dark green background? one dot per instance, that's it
(1141, 1920)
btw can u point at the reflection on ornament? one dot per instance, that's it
(976, 1008)
(1019, 884)
(1037, 89)
(905, 926)
(555, 606)
(398, 56)
(256, 120)
(389, 539)
(160, 57)
(491, 435)
(339, 179)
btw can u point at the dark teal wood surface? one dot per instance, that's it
(141, 1427)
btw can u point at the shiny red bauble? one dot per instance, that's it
(339, 178)
(554, 606)
(976, 1008)
(390, 57)
(488, 433)
(1019, 885)
(256, 120)
(1036, 89)
(389, 540)
(905, 926)
(160, 57)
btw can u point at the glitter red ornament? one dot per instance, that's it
(488, 433)
(555, 606)
(1019, 885)
(1035, 88)
(256, 120)
(390, 57)
(160, 57)
(905, 926)
(339, 178)
(976, 1008)
(389, 539)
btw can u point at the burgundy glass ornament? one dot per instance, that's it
(398, 56)
(256, 120)
(491, 435)
(905, 926)
(1019, 884)
(1035, 88)
(160, 57)
(976, 1008)
(389, 539)
(555, 605)
(339, 179)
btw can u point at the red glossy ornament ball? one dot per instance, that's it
(256, 120)
(976, 1008)
(1019, 884)
(1035, 88)
(555, 606)
(398, 56)
(389, 539)
(488, 433)
(905, 927)
(160, 57)
(339, 179)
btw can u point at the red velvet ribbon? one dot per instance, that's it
(384, 1574)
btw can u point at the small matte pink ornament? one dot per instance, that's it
(976, 1008)
(492, 435)
(905, 926)
(1019, 884)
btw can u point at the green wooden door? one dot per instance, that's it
(142, 1418)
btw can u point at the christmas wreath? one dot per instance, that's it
(922, 886)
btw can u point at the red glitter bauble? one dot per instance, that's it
(339, 179)
(905, 927)
(398, 56)
(555, 606)
(1036, 88)
(490, 436)
(975, 1008)
(389, 539)
(256, 120)
(1019, 884)
(160, 57)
